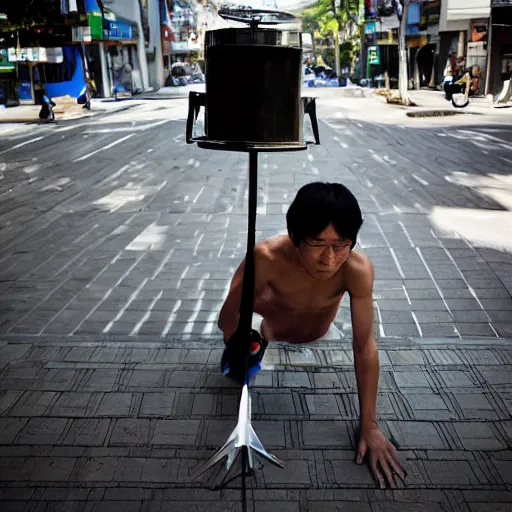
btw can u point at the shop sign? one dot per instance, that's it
(185, 46)
(53, 55)
(430, 12)
(479, 30)
(5, 65)
(179, 46)
(119, 31)
(374, 55)
(477, 49)
(370, 28)
(82, 34)
(33, 54)
(36, 54)
(25, 90)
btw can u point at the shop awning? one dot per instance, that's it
(467, 9)
(115, 27)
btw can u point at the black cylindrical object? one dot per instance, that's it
(253, 83)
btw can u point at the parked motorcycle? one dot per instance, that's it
(458, 90)
(183, 74)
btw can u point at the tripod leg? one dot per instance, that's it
(228, 447)
(256, 445)
(250, 461)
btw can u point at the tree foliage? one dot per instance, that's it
(310, 23)
(328, 16)
(26, 13)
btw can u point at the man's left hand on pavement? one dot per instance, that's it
(382, 456)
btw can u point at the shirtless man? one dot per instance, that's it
(300, 280)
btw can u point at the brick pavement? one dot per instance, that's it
(112, 262)
(143, 239)
(118, 425)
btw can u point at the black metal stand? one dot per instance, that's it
(247, 301)
(243, 439)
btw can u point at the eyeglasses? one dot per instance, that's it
(319, 247)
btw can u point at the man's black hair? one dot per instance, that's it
(317, 205)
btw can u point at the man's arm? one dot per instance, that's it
(383, 454)
(230, 312)
(366, 356)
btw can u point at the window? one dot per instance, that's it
(55, 73)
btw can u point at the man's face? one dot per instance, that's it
(323, 255)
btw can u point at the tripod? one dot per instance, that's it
(243, 440)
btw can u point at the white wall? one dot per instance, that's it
(446, 21)
(130, 9)
(456, 14)
(156, 64)
(467, 9)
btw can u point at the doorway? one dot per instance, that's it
(425, 61)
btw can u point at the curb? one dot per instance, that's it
(422, 109)
(58, 120)
(440, 113)
(216, 342)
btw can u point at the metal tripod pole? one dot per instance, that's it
(247, 301)
(243, 438)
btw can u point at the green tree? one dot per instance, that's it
(25, 13)
(327, 18)
(310, 23)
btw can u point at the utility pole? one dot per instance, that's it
(401, 11)
(337, 52)
(336, 34)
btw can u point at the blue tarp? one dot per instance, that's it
(92, 6)
(76, 86)
(413, 14)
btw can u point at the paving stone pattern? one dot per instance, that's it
(127, 242)
(113, 268)
(103, 425)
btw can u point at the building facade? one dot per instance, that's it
(380, 41)
(109, 48)
(500, 48)
(41, 57)
(464, 33)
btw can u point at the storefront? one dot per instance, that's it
(380, 43)
(423, 42)
(8, 89)
(422, 39)
(167, 36)
(500, 68)
(464, 38)
(478, 51)
(109, 43)
(58, 70)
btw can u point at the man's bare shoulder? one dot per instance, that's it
(274, 248)
(271, 252)
(359, 274)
